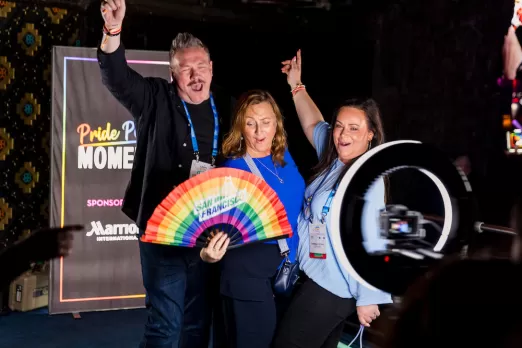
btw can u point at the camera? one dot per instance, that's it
(401, 244)
(397, 222)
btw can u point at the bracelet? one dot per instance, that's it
(298, 88)
(298, 85)
(113, 32)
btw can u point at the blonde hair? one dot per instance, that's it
(235, 147)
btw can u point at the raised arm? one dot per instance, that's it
(308, 113)
(130, 88)
(512, 55)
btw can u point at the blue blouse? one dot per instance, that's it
(328, 273)
(290, 192)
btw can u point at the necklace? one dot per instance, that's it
(275, 174)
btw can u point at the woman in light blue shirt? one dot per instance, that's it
(329, 294)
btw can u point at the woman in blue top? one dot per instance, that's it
(246, 289)
(318, 311)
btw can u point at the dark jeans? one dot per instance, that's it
(181, 293)
(314, 319)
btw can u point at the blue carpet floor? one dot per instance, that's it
(37, 329)
(115, 329)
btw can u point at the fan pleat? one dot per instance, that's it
(259, 216)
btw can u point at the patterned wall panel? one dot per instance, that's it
(27, 34)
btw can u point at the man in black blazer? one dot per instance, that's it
(180, 126)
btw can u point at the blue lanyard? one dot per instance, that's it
(327, 205)
(193, 133)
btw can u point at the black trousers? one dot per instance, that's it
(182, 294)
(248, 300)
(315, 319)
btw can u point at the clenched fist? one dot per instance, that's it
(113, 12)
(367, 314)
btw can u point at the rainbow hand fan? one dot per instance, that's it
(234, 201)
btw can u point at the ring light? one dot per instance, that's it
(394, 268)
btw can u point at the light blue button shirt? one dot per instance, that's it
(328, 273)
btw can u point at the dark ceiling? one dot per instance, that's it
(293, 14)
(221, 4)
(254, 11)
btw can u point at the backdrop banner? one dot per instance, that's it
(93, 144)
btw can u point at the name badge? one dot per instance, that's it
(199, 167)
(317, 241)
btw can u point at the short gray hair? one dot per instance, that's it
(185, 40)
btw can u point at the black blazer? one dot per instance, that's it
(160, 160)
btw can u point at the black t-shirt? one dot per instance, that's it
(203, 122)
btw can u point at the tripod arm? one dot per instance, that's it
(482, 227)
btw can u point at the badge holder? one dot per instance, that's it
(317, 232)
(317, 239)
(197, 167)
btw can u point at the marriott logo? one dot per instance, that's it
(113, 232)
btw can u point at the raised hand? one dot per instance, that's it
(216, 249)
(511, 54)
(292, 69)
(113, 12)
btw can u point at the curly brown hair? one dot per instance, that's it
(235, 147)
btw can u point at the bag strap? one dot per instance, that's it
(283, 245)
